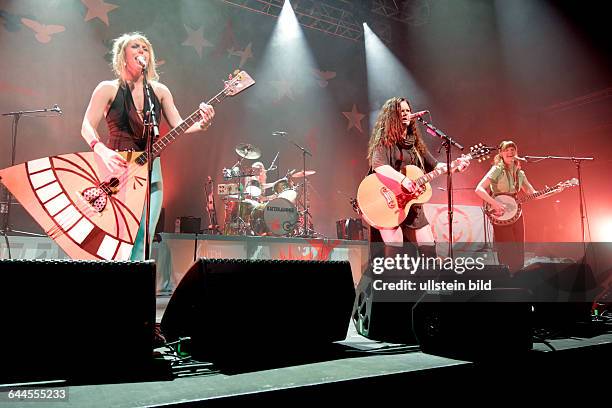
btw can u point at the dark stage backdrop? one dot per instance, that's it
(487, 70)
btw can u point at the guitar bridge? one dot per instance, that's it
(97, 197)
(389, 196)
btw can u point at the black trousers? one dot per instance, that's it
(510, 244)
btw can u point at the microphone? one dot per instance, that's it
(418, 114)
(279, 133)
(520, 158)
(57, 109)
(142, 61)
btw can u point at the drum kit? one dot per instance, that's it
(250, 211)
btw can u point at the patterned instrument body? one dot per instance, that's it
(90, 213)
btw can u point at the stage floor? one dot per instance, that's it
(353, 370)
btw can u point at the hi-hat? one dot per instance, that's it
(248, 151)
(303, 174)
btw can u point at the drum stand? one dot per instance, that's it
(7, 197)
(307, 227)
(243, 227)
(306, 232)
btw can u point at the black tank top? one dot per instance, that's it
(125, 126)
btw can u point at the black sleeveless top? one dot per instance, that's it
(125, 127)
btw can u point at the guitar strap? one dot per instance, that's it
(418, 155)
(516, 182)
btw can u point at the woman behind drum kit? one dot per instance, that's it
(276, 214)
(258, 213)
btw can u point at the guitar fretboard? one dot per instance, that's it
(537, 194)
(426, 178)
(182, 127)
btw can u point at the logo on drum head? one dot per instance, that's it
(280, 209)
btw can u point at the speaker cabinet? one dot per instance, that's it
(388, 317)
(488, 324)
(563, 293)
(76, 320)
(246, 307)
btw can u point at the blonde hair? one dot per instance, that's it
(118, 63)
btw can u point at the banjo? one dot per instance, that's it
(512, 204)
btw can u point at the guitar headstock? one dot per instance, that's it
(568, 183)
(480, 152)
(237, 83)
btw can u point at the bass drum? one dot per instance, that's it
(238, 215)
(277, 217)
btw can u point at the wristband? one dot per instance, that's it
(93, 143)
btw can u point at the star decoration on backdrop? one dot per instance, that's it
(42, 32)
(283, 88)
(195, 39)
(98, 9)
(323, 77)
(354, 118)
(243, 54)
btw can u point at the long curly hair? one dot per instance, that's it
(389, 128)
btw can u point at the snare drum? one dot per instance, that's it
(284, 189)
(277, 217)
(253, 188)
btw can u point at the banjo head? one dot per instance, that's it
(511, 206)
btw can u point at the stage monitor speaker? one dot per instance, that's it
(76, 320)
(563, 293)
(383, 318)
(248, 307)
(495, 323)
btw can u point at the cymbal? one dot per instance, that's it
(301, 174)
(248, 151)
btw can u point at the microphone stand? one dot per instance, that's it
(306, 231)
(577, 162)
(151, 131)
(5, 206)
(447, 142)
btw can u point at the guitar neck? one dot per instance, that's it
(426, 178)
(537, 194)
(173, 134)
